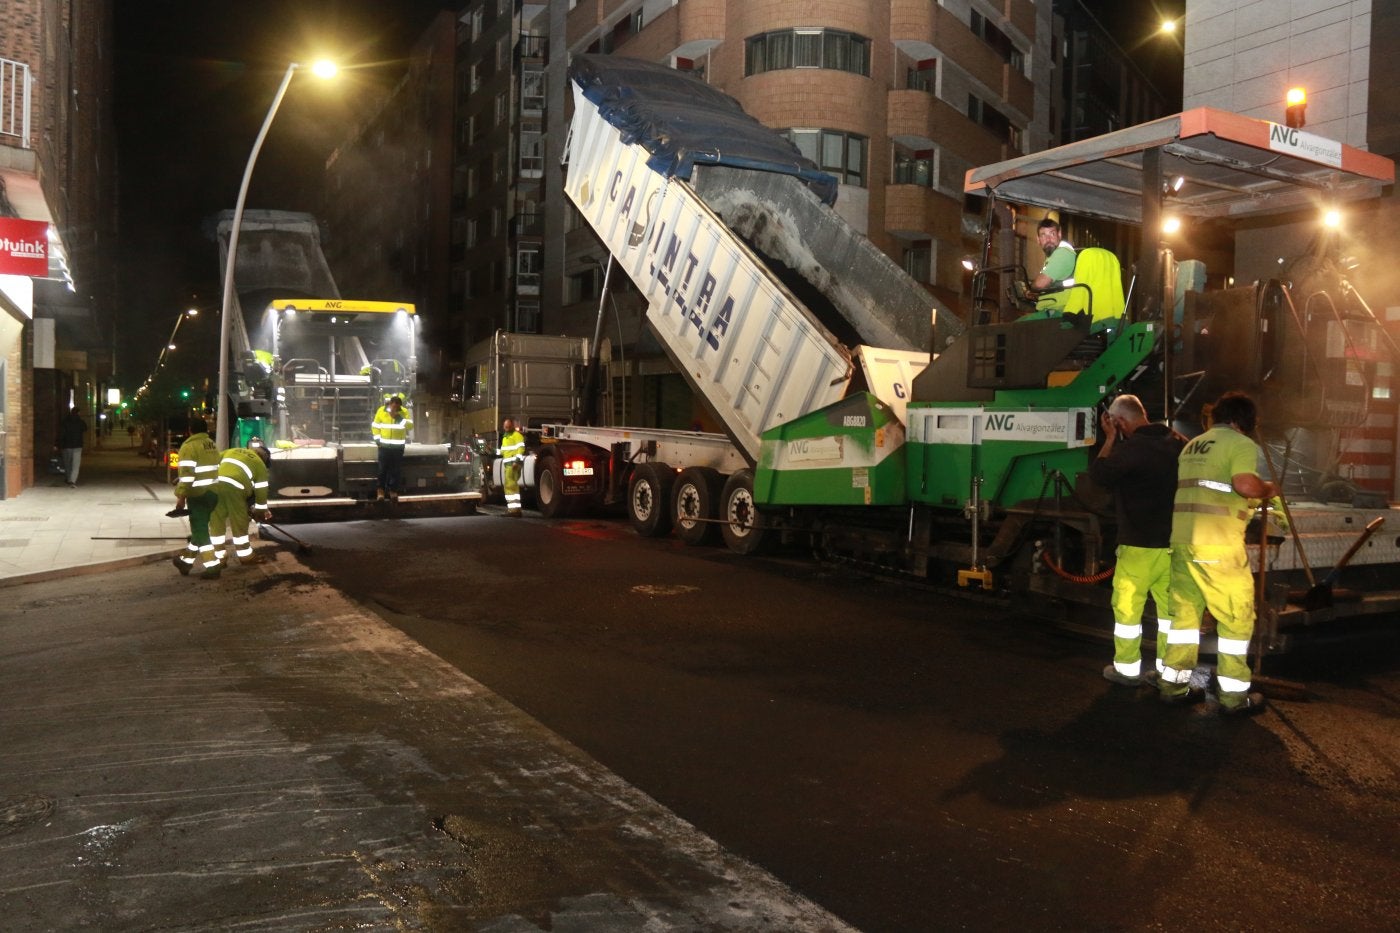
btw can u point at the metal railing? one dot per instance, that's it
(14, 100)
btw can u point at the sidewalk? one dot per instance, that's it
(259, 752)
(115, 517)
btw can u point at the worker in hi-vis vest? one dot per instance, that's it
(242, 476)
(199, 467)
(390, 429)
(1216, 482)
(512, 453)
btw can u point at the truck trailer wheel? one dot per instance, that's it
(549, 494)
(693, 505)
(649, 499)
(741, 523)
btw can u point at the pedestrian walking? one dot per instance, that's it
(72, 430)
(390, 429)
(198, 471)
(512, 454)
(1138, 463)
(242, 476)
(1216, 481)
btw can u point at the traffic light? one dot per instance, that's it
(1296, 113)
(184, 393)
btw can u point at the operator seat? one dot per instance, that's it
(1098, 288)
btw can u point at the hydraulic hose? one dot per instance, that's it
(1059, 571)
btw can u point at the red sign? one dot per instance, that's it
(24, 247)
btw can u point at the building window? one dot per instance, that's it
(923, 76)
(527, 316)
(474, 81)
(981, 112)
(528, 264)
(502, 107)
(472, 232)
(532, 91)
(807, 48)
(999, 41)
(689, 65)
(841, 154)
(914, 168)
(918, 261)
(583, 285)
(476, 21)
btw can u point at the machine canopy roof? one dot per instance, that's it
(1232, 166)
(682, 121)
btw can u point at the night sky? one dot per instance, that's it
(194, 82)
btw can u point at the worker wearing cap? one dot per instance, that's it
(512, 453)
(390, 428)
(199, 468)
(1216, 480)
(242, 476)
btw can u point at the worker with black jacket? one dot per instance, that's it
(1138, 463)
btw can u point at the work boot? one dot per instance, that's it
(1253, 703)
(181, 565)
(1151, 677)
(210, 573)
(1115, 676)
(393, 495)
(1182, 699)
(252, 559)
(379, 495)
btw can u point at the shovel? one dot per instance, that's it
(1319, 596)
(302, 546)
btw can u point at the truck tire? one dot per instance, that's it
(693, 505)
(649, 499)
(741, 523)
(549, 489)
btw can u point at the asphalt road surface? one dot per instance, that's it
(908, 760)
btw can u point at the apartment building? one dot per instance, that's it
(897, 100)
(57, 173)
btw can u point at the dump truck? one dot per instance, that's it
(959, 453)
(310, 369)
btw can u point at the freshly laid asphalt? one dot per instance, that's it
(259, 752)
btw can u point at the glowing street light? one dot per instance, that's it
(1169, 26)
(321, 69)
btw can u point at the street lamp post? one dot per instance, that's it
(321, 69)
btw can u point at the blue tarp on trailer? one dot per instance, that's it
(678, 119)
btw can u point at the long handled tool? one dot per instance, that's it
(302, 546)
(1320, 594)
(1266, 625)
(1287, 514)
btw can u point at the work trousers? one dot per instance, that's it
(201, 504)
(1141, 572)
(231, 512)
(1217, 578)
(72, 460)
(510, 475)
(391, 467)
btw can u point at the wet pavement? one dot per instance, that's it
(260, 752)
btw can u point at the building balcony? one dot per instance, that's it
(916, 212)
(919, 120)
(922, 30)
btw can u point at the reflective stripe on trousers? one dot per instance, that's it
(1140, 572)
(1218, 578)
